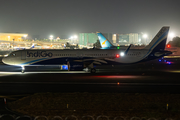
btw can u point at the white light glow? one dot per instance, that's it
(145, 36)
(75, 36)
(8, 37)
(23, 68)
(122, 53)
(171, 35)
(71, 37)
(51, 37)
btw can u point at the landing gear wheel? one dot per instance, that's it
(93, 70)
(22, 71)
(68, 64)
(86, 69)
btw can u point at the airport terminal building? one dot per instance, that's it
(13, 36)
(88, 39)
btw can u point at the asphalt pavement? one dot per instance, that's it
(152, 77)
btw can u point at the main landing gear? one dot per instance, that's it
(93, 70)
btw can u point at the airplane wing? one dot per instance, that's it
(98, 61)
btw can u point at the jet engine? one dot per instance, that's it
(75, 66)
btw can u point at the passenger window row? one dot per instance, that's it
(65, 54)
(83, 55)
(133, 54)
(95, 54)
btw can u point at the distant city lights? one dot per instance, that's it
(73, 37)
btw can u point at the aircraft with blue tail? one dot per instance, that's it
(23, 48)
(105, 43)
(78, 59)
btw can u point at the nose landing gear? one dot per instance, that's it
(23, 69)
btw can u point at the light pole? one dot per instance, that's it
(71, 38)
(13, 44)
(75, 38)
(25, 37)
(8, 38)
(139, 41)
(145, 37)
(51, 37)
(171, 36)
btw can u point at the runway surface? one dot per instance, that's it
(150, 78)
(15, 83)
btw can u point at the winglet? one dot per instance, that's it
(127, 49)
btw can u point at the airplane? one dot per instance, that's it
(22, 48)
(104, 42)
(78, 59)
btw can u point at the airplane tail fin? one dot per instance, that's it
(32, 46)
(159, 41)
(104, 41)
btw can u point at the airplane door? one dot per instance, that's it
(23, 55)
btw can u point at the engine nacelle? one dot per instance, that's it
(75, 66)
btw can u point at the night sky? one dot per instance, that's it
(64, 18)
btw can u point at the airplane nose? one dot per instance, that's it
(6, 60)
(3, 60)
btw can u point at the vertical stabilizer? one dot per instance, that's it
(105, 43)
(32, 46)
(159, 41)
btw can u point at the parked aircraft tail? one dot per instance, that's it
(105, 43)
